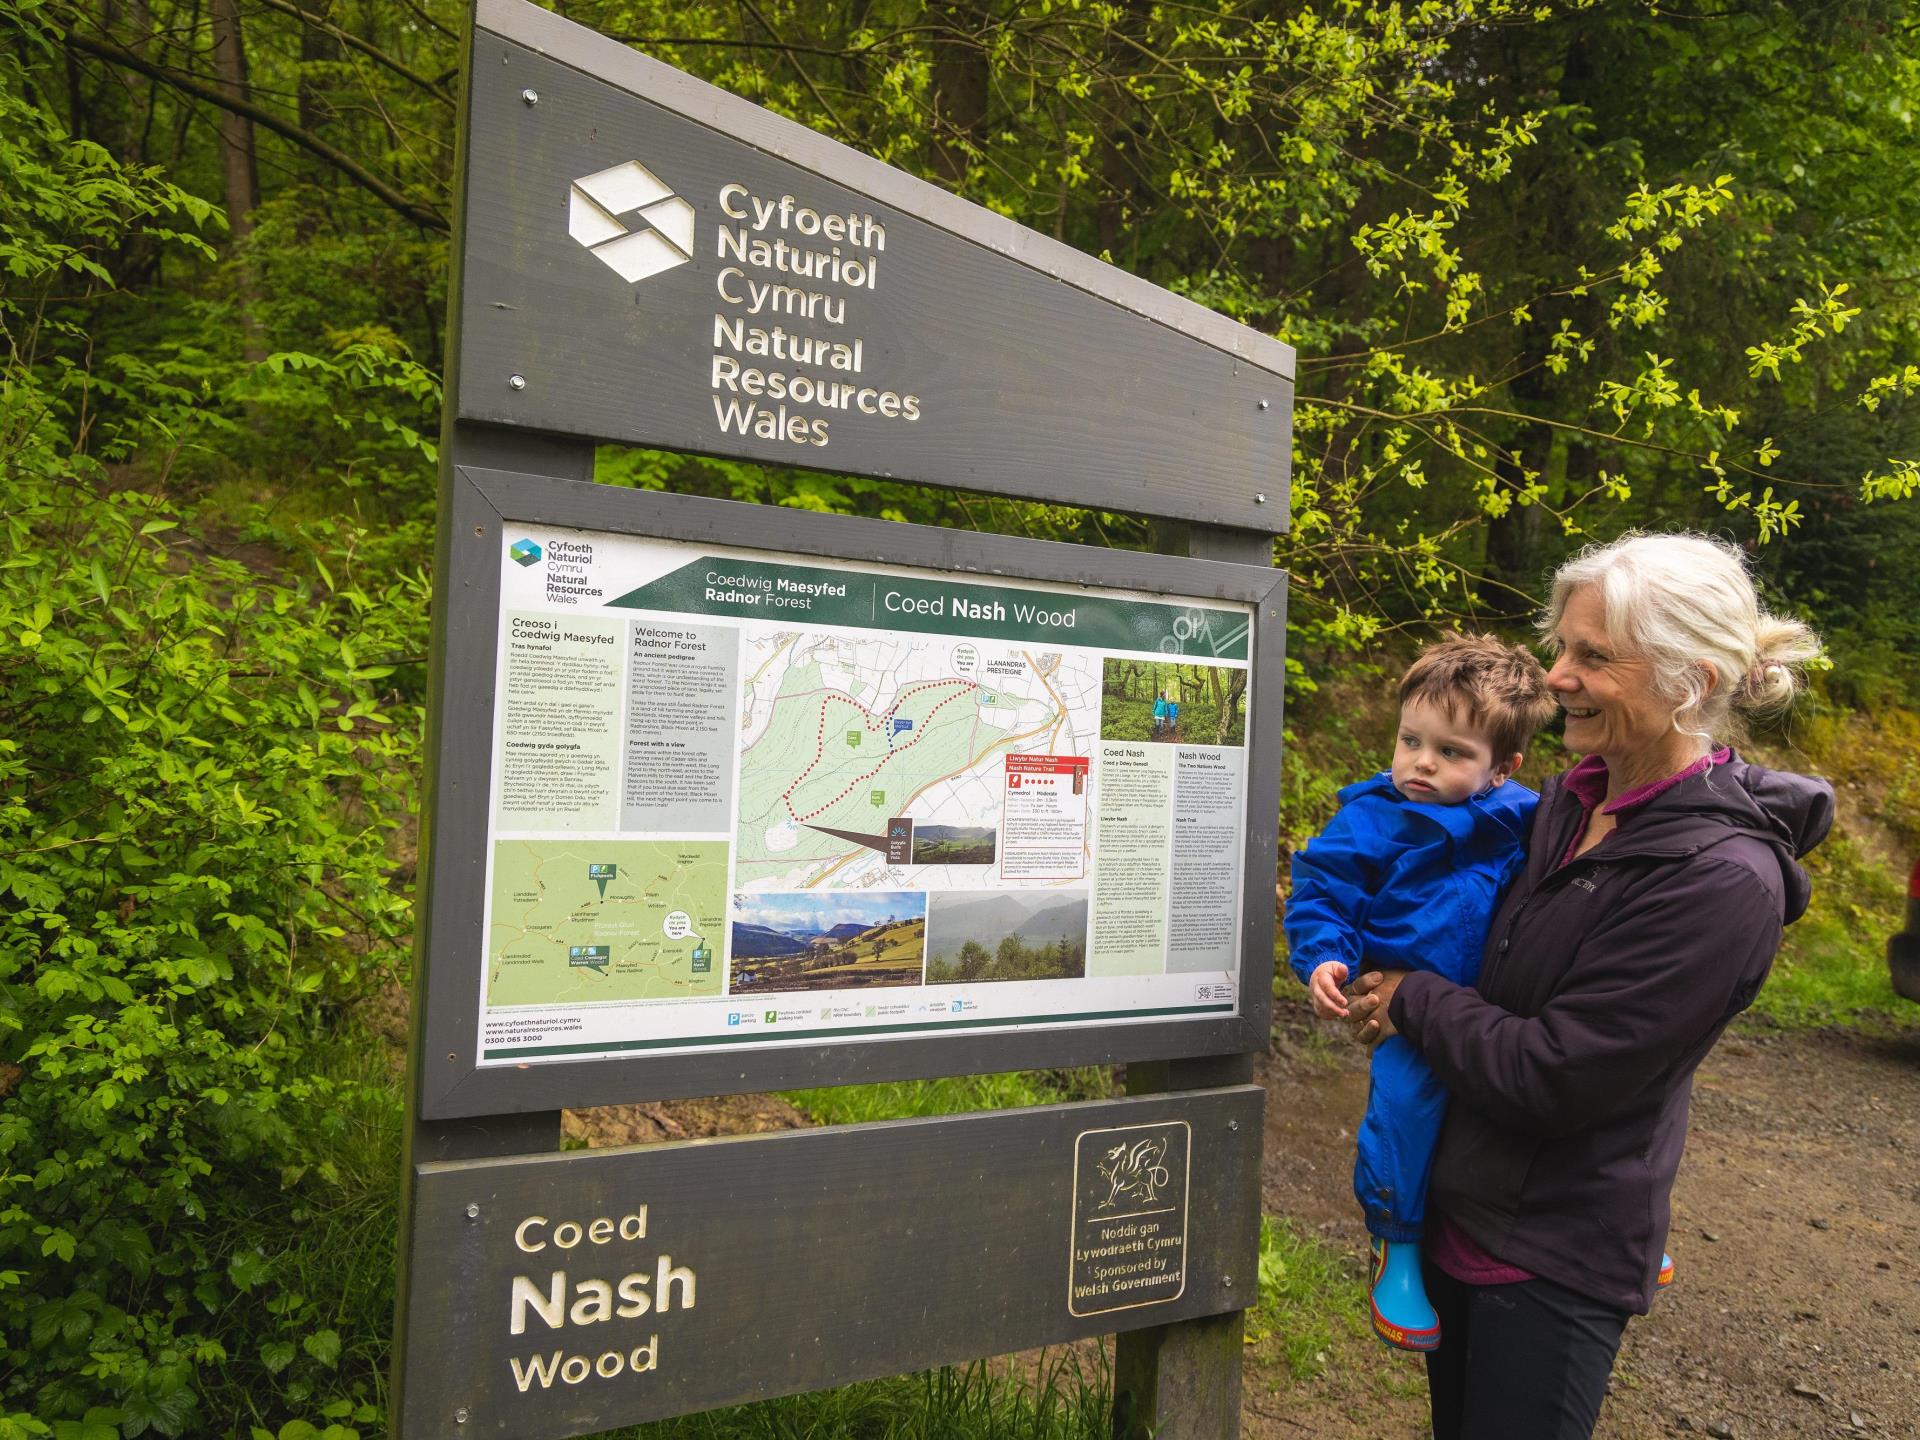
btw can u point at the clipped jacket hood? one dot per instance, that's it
(1792, 813)
(1508, 808)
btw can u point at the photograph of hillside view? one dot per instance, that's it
(827, 942)
(1175, 704)
(954, 844)
(1006, 937)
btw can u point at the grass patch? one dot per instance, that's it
(1832, 964)
(314, 1264)
(955, 1095)
(1070, 1398)
(1311, 1297)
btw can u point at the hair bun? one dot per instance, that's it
(1782, 648)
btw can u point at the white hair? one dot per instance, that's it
(1686, 604)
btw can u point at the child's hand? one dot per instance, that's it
(1324, 985)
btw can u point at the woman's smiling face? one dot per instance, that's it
(1611, 707)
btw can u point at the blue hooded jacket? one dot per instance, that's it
(1398, 884)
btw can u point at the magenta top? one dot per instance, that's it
(1449, 1247)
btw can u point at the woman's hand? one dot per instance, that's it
(1367, 1011)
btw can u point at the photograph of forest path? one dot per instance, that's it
(827, 942)
(1175, 704)
(1007, 937)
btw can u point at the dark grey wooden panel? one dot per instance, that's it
(810, 1259)
(1034, 375)
(449, 961)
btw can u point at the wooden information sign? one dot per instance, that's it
(727, 798)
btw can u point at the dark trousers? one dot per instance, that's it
(1528, 1360)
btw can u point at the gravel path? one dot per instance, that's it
(1796, 1309)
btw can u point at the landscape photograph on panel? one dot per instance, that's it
(741, 797)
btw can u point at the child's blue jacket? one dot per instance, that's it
(1395, 884)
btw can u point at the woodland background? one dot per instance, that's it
(1553, 270)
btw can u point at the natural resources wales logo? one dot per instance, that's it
(524, 552)
(630, 219)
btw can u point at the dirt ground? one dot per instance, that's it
(1796, 1304)
(1796, 1308)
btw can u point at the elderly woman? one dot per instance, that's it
(1660, 871)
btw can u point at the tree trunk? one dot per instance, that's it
(239, 167)
(317, 49)
(1236, 689)
(960, 88)
(1513, 539)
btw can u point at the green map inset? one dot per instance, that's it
(575, 921)
(830, 760)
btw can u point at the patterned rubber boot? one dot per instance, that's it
(1402, 1315)
(1665, 1277)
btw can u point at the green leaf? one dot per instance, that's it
(165, 1407)
(247, 1269)
(323, 1345)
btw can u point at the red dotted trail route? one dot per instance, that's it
(885, 720)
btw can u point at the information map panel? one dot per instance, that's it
(750, 798)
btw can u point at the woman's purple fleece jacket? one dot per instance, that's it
(1604, 983)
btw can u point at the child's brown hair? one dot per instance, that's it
(1497, 687)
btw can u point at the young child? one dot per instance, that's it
(1406, 876)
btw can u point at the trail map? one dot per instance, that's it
(841, 735)
(610, 920)
(744, 798)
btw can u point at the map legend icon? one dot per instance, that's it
(592, 957)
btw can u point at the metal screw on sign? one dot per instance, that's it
(532, 97)
(1262, 404)
(1259, 499)
(1227, 1280)
(1233, 1124)
(460, 1416)
(473, 1212)
(516, 382)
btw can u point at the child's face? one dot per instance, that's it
(1439, 760)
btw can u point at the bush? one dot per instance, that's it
(196, 802)
(202, 771)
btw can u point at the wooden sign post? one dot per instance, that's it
(728, 798)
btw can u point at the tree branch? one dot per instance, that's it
(365, 47)
(312, 144)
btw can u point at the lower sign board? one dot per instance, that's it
(559, 1295)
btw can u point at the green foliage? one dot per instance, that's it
(1309, 1294)
(203, 780)
(957, 1095)
(1012, 959)
(203, 772)
(1832, 964)
(1068, 1398)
